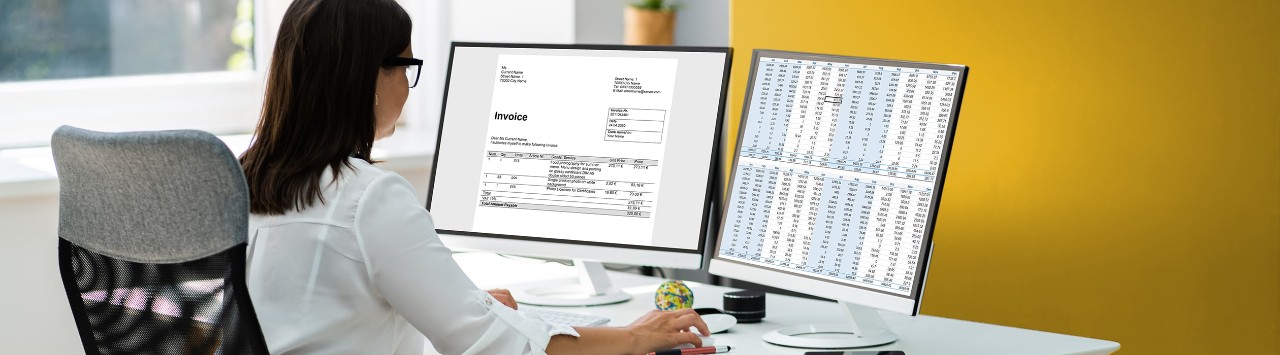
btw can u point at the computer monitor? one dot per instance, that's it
(835, 185)
(587, 152)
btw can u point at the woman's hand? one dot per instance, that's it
(658, 330)
(504, 296)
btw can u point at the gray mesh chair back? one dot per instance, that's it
(152, 234)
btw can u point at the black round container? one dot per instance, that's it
(747, 306)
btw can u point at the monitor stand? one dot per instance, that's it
(593, 288)
(865, 328)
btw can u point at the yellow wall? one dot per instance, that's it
(1116, 169)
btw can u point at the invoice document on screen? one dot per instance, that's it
(574, 147)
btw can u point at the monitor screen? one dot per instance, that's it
(839, 169)
(590, 145)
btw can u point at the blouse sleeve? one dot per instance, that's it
(416, 274)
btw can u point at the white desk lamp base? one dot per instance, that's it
(594, 288)
(865, 328)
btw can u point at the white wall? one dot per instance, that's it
(34, 316)
(512, 21)
(698, 22)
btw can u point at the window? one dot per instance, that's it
(66, 39)
(124, 65)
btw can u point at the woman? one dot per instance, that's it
(342, 258)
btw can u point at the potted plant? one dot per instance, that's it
(650, 22)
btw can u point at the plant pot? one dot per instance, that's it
(649, 27)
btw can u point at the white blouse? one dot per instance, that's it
(364, 272)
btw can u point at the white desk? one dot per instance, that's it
(920, 335)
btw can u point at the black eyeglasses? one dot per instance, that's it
(412, 68)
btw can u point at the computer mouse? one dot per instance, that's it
(716, 320)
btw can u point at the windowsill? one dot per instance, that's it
(30, 172)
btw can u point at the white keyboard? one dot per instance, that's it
(565, 318)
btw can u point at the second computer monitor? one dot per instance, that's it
(836, 183)
(598, 153)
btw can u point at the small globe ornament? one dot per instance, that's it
(673, 295)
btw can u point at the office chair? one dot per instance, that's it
(152, 231)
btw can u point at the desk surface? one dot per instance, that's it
(920, 335)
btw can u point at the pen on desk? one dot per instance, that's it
(694, 351)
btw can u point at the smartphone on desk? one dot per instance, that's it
(856, 353)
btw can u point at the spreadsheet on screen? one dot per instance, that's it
(837, 169)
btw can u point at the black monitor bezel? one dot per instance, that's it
(927, 247)
(712, 175)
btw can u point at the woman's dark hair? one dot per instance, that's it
(318, 108)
